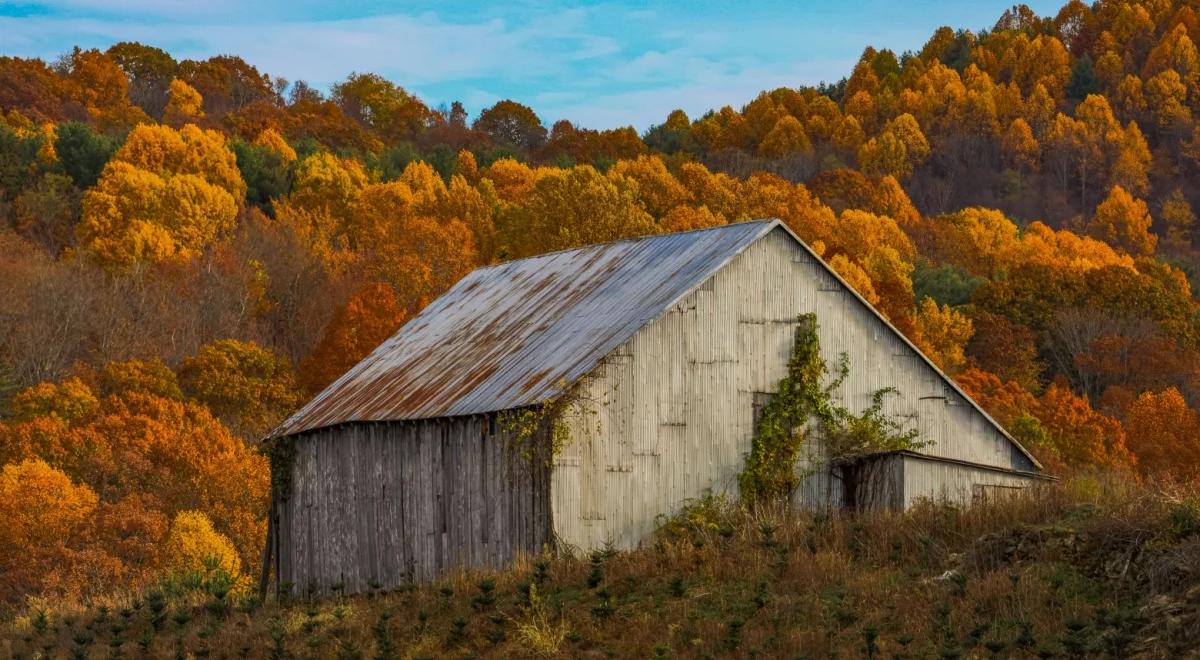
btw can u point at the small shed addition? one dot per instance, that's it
(654, 354)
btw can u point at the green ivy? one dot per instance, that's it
(281, 454)
(805, 395)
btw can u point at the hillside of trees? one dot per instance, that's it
(189, 249)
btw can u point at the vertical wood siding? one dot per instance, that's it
(670, 413)
(394, 502)
(925, 478)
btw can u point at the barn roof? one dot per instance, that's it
(514, 334)
(511, 335)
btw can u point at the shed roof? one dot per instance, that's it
(511, 335)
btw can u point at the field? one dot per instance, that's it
(1088, 568)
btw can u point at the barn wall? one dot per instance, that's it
(393, 502)
(671, 412)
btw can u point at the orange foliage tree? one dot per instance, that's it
(372, 315)
(42, 524)
(1164, 434)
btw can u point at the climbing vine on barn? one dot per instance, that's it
(805, 396)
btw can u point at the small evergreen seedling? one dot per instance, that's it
(458, 632)
(768, 534)
(596, 574)
(733, 633)
(40, 621)
(760, 595)
(870, 641)
(156, 604)
(181, 617)
(348, 650)
(385, 646)
(496, 633)
(1076, 640)
(1025, 638)
(278, 636)
(541, 571)
(486, 597)
(677, 587)
(603, 608)
(423, 621)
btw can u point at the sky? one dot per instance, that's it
(599, 65)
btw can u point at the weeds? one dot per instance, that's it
(1066, 571)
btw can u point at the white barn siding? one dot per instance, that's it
(670, 413)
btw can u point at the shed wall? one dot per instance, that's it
(394, 502)
(963, 484)
(670, 413)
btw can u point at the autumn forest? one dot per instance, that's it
(190, 249)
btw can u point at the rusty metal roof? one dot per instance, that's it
(511, 335)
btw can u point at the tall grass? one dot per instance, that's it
(1065, 570)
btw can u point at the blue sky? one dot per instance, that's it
(597, 64)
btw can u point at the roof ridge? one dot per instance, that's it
(629, 239)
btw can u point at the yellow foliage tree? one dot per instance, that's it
(67, 401)
(1123, 221)
(943, 333)
(856, 277)
(848, 135)
(786, 138)
(144, 376)
(325, 190)
(271, 139)
(1021, 149)
(1177, 214)
(475, 207)
(184, 104)
(883, 155)
(657, 189)
(466, 166)
(512, 179)
(245, 386)
(194, 548)
(687, 218)
(1166, 98)
(579, 208)
(165, 196)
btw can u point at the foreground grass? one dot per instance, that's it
(1084, 569)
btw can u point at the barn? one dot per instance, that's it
(570, 399)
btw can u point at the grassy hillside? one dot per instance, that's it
(1089, 568)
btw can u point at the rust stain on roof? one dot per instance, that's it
(510, 335)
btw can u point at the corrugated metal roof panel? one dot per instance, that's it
(511, 335)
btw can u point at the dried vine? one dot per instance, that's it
(526, 429)
(805, 395)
